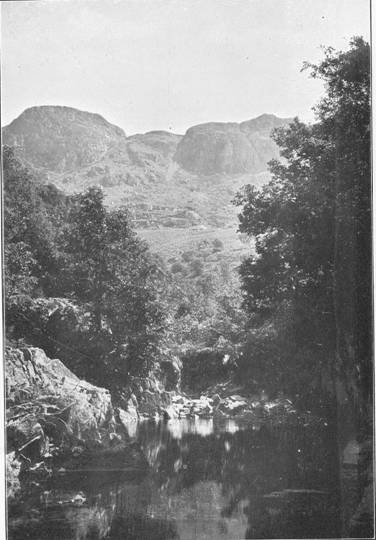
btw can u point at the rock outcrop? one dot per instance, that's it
(225, 407)
(60, 139)
(229, 148)
(166, 180)
(32, 377)
(52, 413)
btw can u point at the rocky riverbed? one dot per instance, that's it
(224, 400)
(57, 422)
(232, 406)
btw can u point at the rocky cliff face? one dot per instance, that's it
(37, 385)
(216, 148)
(219, 148)
(60, 139)
(51, 412)
(167, 181)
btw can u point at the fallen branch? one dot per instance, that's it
(29, 442)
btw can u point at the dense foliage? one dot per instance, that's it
(33, 214)
(307, 290)
(206, 319)
(82, 286)
(79, 283)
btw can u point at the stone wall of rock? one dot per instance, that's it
(31, 375)
(50, 410)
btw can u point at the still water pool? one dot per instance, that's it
(206, 481)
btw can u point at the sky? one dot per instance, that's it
(170, 64)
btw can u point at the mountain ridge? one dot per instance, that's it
(168, 181)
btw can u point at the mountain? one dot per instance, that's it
(60, 139)
(181, 184)
(229, 148)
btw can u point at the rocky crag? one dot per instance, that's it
(229, 148)
(60, 139)
(55, 418)
(167, 181)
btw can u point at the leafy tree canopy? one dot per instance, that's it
(313, 231)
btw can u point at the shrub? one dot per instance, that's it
(177, 268)
(217, 244)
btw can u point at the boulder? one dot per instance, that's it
(206, 411)
(25, 431)
(179, 400)
(126, 417)
(131, 408)
(231, 406)
(216, 399)
(129, 421)
(170, 413)
(278, 406)
(238, 398)
(53, 391)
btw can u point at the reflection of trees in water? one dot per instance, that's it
(252, 463)
(116, 510)
(142, 527)
(254, 468)
(42, 530)
(129, 527)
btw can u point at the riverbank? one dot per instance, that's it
(57, 421)
(58, 424)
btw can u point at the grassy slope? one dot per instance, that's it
(171, 242)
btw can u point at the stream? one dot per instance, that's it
(207, 481)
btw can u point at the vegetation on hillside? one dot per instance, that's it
(78, 281)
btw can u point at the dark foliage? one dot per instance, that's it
(78, 281)
(312, 224)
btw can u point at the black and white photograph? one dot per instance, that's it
(187, 270)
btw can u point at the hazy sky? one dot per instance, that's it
(170, 64)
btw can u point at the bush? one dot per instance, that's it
(177, 268)
(187, 256)
(197, 267)
(217, 244)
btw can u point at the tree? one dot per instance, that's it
(33, 214)
(197, 267)
(217, 244)
(345, 117)
(87, 246)
(58, 246)
(112, 273)
(177, 268)
(313, 232)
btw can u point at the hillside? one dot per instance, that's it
(60, 139)
(168, 181)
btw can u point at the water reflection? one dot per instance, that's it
(207, 480)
